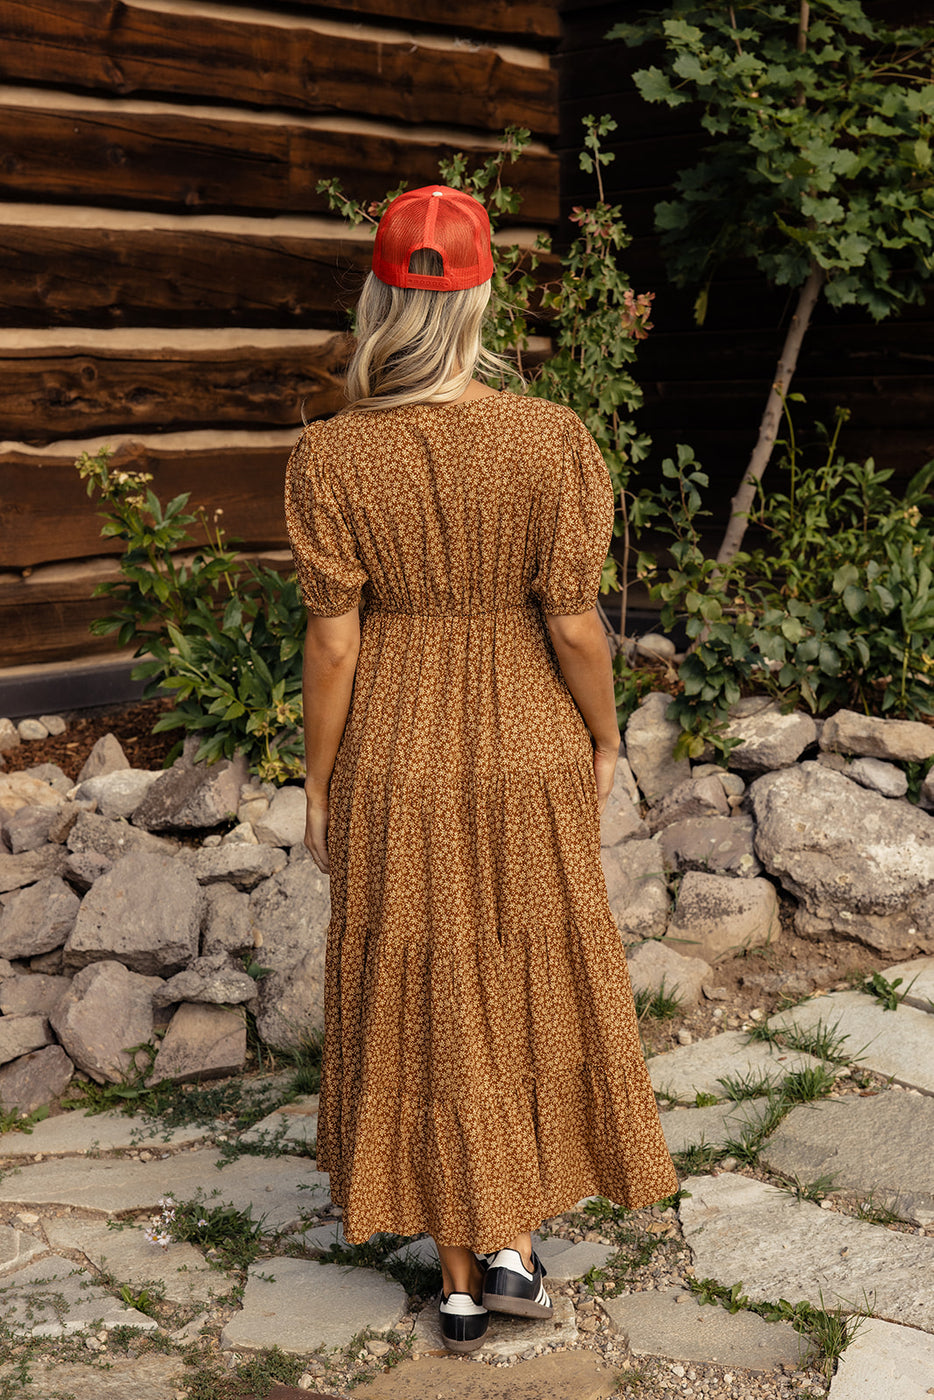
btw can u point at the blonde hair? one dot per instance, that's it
(417, 346)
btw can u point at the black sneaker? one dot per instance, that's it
(463, 1322)
(509, 1287)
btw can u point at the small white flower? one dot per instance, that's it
(202, 1222)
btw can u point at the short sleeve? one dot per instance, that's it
(330, 574)
(575, 522)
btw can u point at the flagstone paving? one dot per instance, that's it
(896, 1043)
(881, 1147)
(876, 1144)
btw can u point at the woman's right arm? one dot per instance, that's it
(583, 653)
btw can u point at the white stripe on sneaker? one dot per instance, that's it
(461, 1305)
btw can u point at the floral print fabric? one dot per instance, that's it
(482, 1063)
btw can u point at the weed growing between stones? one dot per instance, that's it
(661, 1004)
(13, 1121)
(807, 1084)
(829, 1331)
(886, 992)
(817, 1190)
(697, 1158)
(752, 1085)
(211, 1379)
(875, 1211)
(231, 1238)
(421, 1280)
(306, 1058)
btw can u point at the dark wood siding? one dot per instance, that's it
(171, 282)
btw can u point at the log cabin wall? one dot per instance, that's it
(171, 282)
(707, 386)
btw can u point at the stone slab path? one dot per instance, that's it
(279, 1190)
(302, 1307)
(896, 1043)
(887, 1362)
(691, 1069)
(745, 1231)
(674, 1324)
(917, 987)
(568, 1376)
(62, 1266)
(879, 1147)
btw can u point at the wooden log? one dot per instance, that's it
(537, 21)
(46, 615)
(284, 61)
(97, 267)
(48, 515)
(113, 381)
(82, 150)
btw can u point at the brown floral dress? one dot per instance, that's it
(482, 1062)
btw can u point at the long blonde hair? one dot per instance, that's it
(417, 346)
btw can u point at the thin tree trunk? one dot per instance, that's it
(771, 418)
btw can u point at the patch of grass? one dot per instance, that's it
(306, 1057)
(699, 1157)
(823, 1041)
(256, 1375)
(753, 1085)
(806, 1085)
(886, 992)
(659, 1005)
(760, 1033)
(876, 1211)
(817, 1190)
(747, 1146)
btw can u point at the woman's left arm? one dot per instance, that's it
(332, 645)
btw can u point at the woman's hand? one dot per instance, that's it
(604, 771)
(316, 830)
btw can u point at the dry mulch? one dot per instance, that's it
(130, 724)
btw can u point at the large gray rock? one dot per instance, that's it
(302, 1307)
(128, 1256)
(38, 919)
(738, 1228)
(53, 775)
(290, 1002)
(290, 915)
(768, 738)
(718, 845)
(878, 775)
(716, 916)
(653, 965)
(239, 865)
(202, 1042)
(637, 889)
(214, 978)
(871, 1146)
(82, 868)
(691, 1069)
(650, 741)
(113, 839)
(192, 796)
(18, 871)
(673, 1324)
(904, 740)
(145, 912)
(117, 794)
(695, 797)
(107, 756)
(30, 828)
(716, 1125)
(840, 848)
(283, 824)
(31, 994)
(226, 925)
(9, 735)
(105, 1012)
(620, 820)
(35, 1079)
(895, 935)
(21, 1034)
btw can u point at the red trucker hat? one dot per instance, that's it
(451, 222)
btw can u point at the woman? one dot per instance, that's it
(482, 1066)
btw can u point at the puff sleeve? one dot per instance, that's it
(575, 523)
(330, 574)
